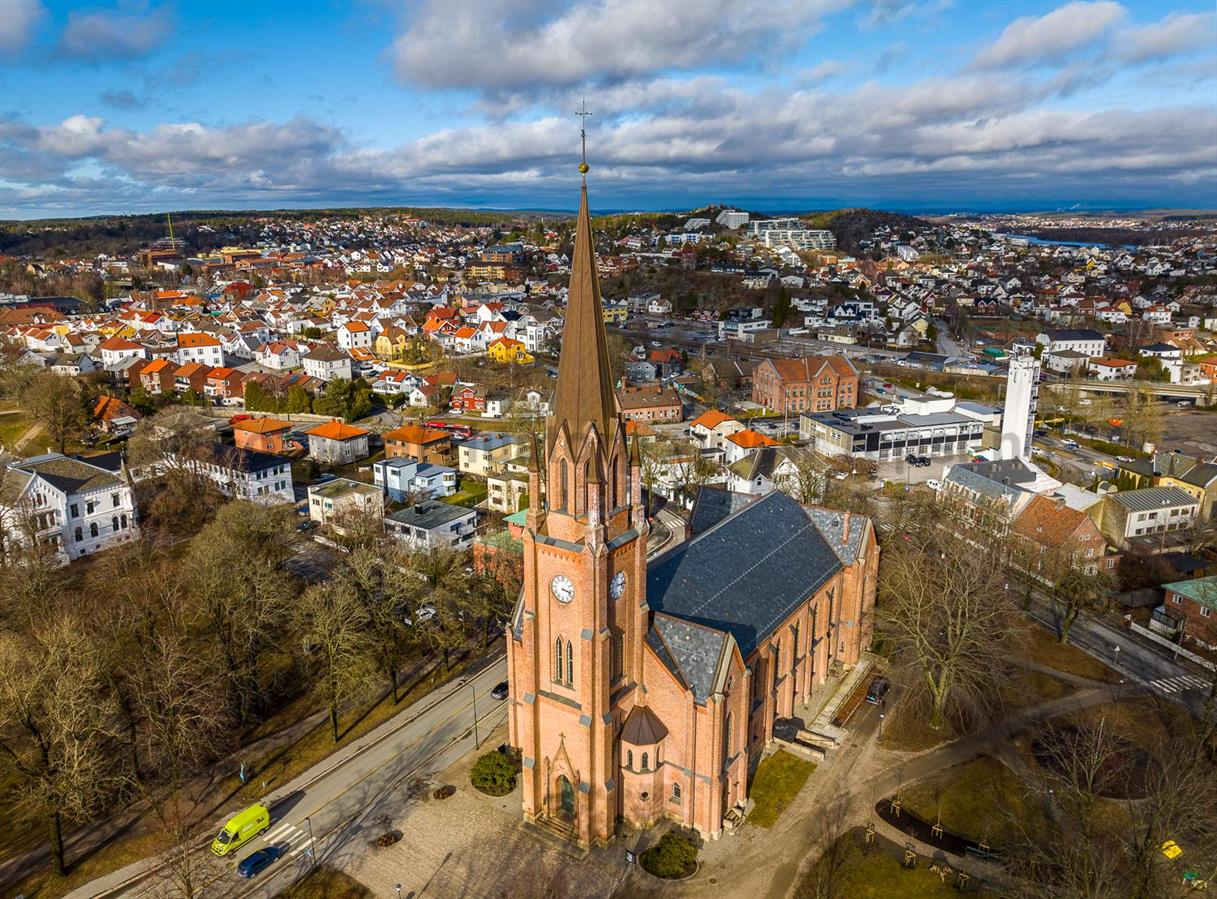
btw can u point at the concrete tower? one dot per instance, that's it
(1022, 397)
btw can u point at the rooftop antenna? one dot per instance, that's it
(583, 114)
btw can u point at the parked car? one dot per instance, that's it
(878, 689)
(258, 861)
(1069, 444)
(499, 691)
(934, 484)
(923, 461)
(911, 459)
(1123, 458)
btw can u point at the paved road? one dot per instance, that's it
(348, 804)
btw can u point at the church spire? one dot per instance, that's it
(584, 395)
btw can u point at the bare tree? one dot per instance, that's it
(945, 610)
(808, 476)
(56, 726)
(236, 570)
(332, 624)
(375, 576)
(57, 403)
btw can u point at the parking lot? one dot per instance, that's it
(902, 473)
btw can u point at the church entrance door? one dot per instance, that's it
(566, 794)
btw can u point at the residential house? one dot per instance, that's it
(338, 443)
(509, 351)
(355, 336)
(1148, 519)
(245, 474)
(405, 479)
(468, 399)
(116, 350)
(326, 362)
(711, 429)
(193, 346)
(433, 524)
(262, 434)
(485, 453)
(1194, 604)
(1109, 368)
(743, 443)
(791, 469)
(1050, 539)
(114, 416)
(157, 377)
(1084, 340)
(339, 499)
(652, 403)
(77, 506)
(422, 444)
(278, 355)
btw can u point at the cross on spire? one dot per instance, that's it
(583, 114)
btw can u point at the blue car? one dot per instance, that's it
(257, 861)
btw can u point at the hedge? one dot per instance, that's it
(494, 774)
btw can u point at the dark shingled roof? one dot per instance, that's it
(689, 650)
(713, 504)
(748, 573)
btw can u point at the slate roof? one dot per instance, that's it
(746, 574)
(713, 504)
(69, 475)
(431, 515)
(690, 651)
(642, 728)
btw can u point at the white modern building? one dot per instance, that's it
(257, 477)
(1022, 399)
(732, 218)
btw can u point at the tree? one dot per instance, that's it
(781, 308)
(441, 569)
(56, 726)
(1142, 417)
(56, 402)
(376, 578)
(258, 400)
(948, 616)
(348, 400)
(298, 400)
(332, 624)
(1075, 590)
(243, 600)
(805, 483)
(1149, 368)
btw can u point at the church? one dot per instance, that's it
(647, 690)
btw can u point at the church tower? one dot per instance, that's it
(575, 642)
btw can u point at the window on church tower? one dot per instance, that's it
(618, 653)
(676, 792)
(565, 492)
(645, 762)
(629, 759)
(570, 665)
(558, 654)
(727, 738)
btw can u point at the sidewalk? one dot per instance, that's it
(123, 877)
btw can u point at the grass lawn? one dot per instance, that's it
(1042, 647)
(469, 493)
(13, 425)
(1026, 687)
(778, 780)
(327, 883)
(976, 799)
(907, 730)
(45, 885)
(858, 871)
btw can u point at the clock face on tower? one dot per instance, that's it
(562, 588)
(617, 585)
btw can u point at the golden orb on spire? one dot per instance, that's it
(584, 168)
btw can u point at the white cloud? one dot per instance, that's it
(499, 47)
(822, 71)
(17, 21)
(116, 34)
(1177, 33)
(1051, 37)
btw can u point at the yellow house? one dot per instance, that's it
(615, 313)
(504, 349)
(391, 343)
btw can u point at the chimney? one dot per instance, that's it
(845, 529)
(1060, 503)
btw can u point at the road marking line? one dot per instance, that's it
(278, 831)
(301, 847)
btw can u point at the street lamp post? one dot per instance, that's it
(397, 886)
(882, 710)
(1116, 650)
(476, 741)
(312, 844)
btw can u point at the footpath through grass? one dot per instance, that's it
(778, 780)
(855, 870)
(981, 800)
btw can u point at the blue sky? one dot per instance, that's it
(905, 104)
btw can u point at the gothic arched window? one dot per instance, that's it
(570, 665)
(676, 792)
(629, 759)
(727, 738)
(93, 529)
(565, 492)
(114, 522)
(558, 660)
(618, 653)
(645, 762)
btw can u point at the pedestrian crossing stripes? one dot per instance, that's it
(295, 837)
(1179, 683)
